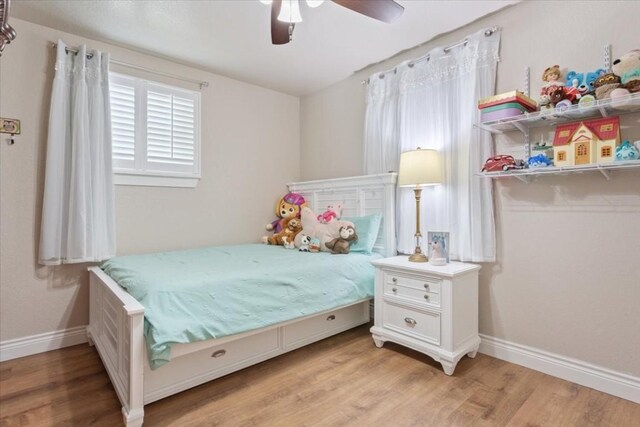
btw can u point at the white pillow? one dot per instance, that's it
(315, 229)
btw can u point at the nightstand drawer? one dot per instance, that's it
(413, 294)
(422, 325)
(424, 284)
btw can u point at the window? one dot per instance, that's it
(156, 133)
(562, 156)
(606, 152)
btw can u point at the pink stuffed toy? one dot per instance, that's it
(330, 214)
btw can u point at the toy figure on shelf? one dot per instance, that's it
(626, 151)
(551, 78)
(539, 161)
(627, 68)
(586, 142)
(605, 84)
(542, 147)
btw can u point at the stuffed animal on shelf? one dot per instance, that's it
(305, 241)
(539, 161)
(288, 206)
(292, 226)
(605, 84)
(551, 78)
(332, 212)
(583, 81)
(627, 67)
(626, 151)
(341, 244)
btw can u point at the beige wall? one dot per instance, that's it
(567, 278)
(246, 131)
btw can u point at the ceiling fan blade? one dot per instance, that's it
(279, 29)
(382, 10)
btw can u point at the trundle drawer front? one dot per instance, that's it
(422, 325)
(299, 333)
(212, 362)
(424, 284)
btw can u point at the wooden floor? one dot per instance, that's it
(341, 381)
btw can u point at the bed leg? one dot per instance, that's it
(132, 418)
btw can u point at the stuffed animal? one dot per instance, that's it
(583, 81)
(341, 244)
(287, 207)
(305, 241)
(605, 84)
(332, 212)
(627, 67)
(292, 226)
(314, 246)
(626, 151)
(539, 161)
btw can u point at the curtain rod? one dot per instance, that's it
(202, 83)
(446, 49)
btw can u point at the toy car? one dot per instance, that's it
(502, 162)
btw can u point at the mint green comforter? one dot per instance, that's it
(213, 292)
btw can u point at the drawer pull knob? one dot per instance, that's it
(410, 321)
(394, 280)
(426, 286)
(394, 289)
(426, 297)
(219, 353)
(332, 317)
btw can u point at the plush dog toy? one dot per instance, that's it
(288, 206)
(627, 67)
(305, 241)
(583, 81)
(286, 236)
(341, 244)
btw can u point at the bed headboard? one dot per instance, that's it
(359, 195)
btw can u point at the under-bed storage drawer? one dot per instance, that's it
(212, 362)
(306, 331)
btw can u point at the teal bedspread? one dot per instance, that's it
(213, 292)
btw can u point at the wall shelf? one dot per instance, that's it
(551, 117)
(526, 174)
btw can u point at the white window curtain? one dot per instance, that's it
(78, 221)
(432, 103)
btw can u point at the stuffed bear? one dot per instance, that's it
(627, 68)
(583, 81)
(288, 206)
(286, 236)
(341, 244)
(605, 84)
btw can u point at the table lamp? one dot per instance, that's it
(419, 168)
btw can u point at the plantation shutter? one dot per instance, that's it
(123, 121)
(171, 129)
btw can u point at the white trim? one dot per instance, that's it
(34, 344)
(148, 180)
(574, 370)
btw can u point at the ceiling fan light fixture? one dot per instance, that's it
(314, 3)
(290, 12)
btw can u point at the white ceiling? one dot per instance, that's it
(232, 37)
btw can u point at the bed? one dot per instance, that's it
(145, 370)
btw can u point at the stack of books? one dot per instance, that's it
(505, 105)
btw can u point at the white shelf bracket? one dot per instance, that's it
(607, 57)
(605, 173)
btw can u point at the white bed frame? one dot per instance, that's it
(116, 318)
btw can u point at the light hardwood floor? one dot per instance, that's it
(341, 381)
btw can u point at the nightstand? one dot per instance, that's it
(433, 310)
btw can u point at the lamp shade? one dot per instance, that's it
(419, 167)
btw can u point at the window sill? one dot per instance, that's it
(152, 180)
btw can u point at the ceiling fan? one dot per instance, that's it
(285, 14)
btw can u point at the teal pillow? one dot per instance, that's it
(367, 228)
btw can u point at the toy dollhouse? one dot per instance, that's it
(586, 142)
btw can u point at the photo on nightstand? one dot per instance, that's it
(438, 242)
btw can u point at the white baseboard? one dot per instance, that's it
(583, 373)
(26, 346)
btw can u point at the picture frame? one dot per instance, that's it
(438, 247)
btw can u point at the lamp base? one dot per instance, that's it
(418, 257)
